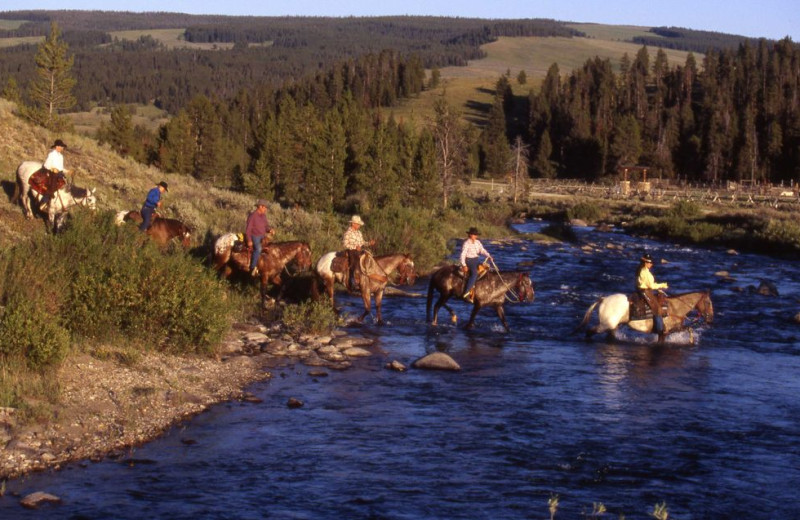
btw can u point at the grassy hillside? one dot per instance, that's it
(472, 87)
(122, 184)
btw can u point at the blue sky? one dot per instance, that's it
(766, 18)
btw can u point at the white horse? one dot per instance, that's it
(60, 202)
(614, 310)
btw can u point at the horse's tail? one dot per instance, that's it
(587, 316)
(429, 300)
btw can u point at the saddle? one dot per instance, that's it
(339, 263)
(239, 245)
(640, 308)
(47, 182)
(482, 270)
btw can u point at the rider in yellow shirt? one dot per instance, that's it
(646, 285)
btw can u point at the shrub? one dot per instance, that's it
(103, 281)
(685, 209)
(310, 318)
(588, 211)
(28, 332)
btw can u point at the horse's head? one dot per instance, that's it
(406, 274)
(89, 200)
(524, 287)
(705, 307)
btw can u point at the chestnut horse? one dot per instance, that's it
(614, 310)
(376, 272)
(161, 230)
(490, 291)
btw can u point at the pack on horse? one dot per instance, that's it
(32, 184)
(491, 290)
(617, 309)
(161, 229)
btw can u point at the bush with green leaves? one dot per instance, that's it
(588, 211)
(28, 332)
(310, 318)
(100, 281)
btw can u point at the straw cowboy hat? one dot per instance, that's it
(356, 220)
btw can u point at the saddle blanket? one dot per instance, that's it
(640, 309)
(46, 182)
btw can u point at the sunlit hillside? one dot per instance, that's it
(472, 87)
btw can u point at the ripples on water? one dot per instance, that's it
(708, 423)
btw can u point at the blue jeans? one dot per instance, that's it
(472, 265)
(147, 216)
(256, 252)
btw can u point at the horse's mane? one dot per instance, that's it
(78, 192)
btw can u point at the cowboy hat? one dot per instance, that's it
(164, 185)
(355, 219)
(647, 258)
(60, 143)
(261, 202)
(473, 231)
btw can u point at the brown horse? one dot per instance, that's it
(161, 230)
(490, 291)
(614, 310)
(274, 261)
(378, 271)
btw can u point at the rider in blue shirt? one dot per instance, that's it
(152, 202)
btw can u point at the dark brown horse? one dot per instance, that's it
(490, 291)
(378, 271)
(274, 261)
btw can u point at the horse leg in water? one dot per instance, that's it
(475, 308)
(442, 302)
(378, 301)
(501, 313)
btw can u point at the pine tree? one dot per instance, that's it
(51, 91)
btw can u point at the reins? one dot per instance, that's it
(509, 289)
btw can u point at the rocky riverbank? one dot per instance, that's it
(106, 406)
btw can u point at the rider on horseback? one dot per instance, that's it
(256, 229)
(645, 285)
(353, 242)
(470, 260)
(53, 170)
(151, 203)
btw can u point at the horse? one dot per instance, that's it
(614, 310)
(161, 229)
(63, 199)
(374, 274)
(273, 261)
(490, 291)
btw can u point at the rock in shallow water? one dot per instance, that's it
(437, 361)
(34, 500)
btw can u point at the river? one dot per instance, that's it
(708, 424)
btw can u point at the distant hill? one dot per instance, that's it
(139, 57)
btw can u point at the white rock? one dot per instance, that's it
(437, 361)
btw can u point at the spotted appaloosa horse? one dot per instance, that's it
(490, 291)
(614, 310)
(274, 260)
(59, 203)
(161, 230)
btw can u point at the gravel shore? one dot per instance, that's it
(105, 406)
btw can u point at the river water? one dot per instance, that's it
(708, 424)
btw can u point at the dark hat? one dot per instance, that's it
(60, 143)
(647, 258)
(261, 202)
(164, 185)
(473, 231)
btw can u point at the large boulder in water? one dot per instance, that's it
(767, 288)
(437, 361)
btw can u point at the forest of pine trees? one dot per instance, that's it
(323, 140)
